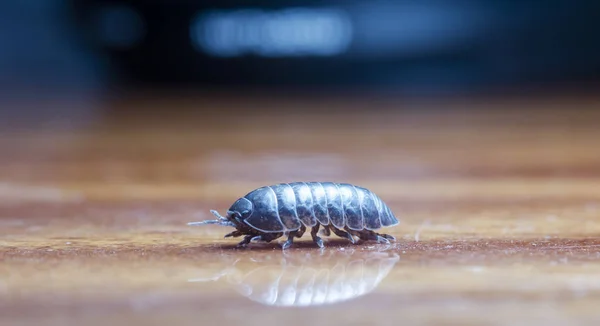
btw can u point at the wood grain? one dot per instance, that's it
(499, 203)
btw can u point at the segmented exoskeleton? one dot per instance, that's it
(270, 212)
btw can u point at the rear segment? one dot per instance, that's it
(376, 214)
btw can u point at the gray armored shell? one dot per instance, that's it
(288, 206)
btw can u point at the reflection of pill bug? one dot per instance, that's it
(300, 279)
(269, 212)
(312, 284)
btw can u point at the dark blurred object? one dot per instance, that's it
(431, 44)
(41, 51)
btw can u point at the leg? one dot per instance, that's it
(294, 234)
(353, 232)
(387, 236)
(315, 237)
(326, 231)
(368, 235)
(300, 232)
(342, 234)
(290, 240)
(234, 234)
(266, 237)
(245, 242)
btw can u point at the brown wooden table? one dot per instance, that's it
(498, 198)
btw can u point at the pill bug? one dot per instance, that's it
(270, 212)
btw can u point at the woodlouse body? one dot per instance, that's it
(269, 212)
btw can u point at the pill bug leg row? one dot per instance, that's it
(290, 209)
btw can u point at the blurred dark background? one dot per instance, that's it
(427, 46)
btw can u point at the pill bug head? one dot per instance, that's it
(235, 216)
(240, 210)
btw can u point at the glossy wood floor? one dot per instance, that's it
(499, 203)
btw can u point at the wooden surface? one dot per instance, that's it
(499, 203)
